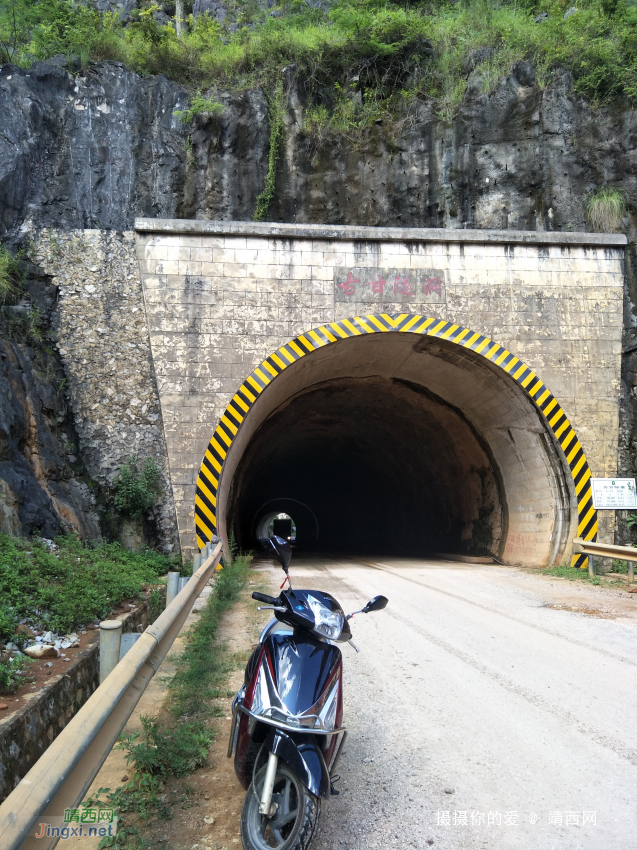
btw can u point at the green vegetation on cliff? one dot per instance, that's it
(19, 319)
(356, 58)
(68, 584)
(137, 486)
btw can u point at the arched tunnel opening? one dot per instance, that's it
(383, 465)
(399, 444)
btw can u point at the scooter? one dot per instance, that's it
(287, 733)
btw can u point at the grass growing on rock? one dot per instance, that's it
(69, 584)
(606, 209)
(359, 52)
(24, 324)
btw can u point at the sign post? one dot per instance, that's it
(614, 494)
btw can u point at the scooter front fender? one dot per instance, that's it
(303, 755)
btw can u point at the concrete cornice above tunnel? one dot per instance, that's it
(396, 234)
(222, 297)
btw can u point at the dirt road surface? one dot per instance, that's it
(480, 717)
(487, 708)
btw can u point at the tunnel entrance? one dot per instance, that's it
(430, 440)
(386, 465)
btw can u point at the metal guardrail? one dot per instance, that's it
(63, 774)
(606, 550)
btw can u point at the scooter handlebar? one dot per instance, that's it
(263, 597)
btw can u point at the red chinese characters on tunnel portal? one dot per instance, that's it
(378, 285)
(432, 285)
(403, 285)
(399, 284)
(349, 286)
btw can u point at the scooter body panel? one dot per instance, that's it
(302, 753)
(301, 668)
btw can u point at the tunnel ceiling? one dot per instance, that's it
(400, 443)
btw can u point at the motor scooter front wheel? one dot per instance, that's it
(294, 824)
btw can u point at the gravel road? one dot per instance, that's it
(480, 717)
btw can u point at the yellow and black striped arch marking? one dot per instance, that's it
(301, 346)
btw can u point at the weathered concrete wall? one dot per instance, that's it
(221, 297)
(102, 336)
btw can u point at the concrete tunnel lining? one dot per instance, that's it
(497, 429)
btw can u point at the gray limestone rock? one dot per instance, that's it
(477, 57)
(88, 151)
(99, 149)
(215, 8)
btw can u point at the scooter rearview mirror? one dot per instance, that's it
(282, 551)
(375, 604)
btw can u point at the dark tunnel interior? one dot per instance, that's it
(370, 465)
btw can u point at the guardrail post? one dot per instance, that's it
(196, 563)
(631, 570)
(591, 566)
(127, 642)
(110, 639)
(172, 587)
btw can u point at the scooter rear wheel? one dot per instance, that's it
(296, 818)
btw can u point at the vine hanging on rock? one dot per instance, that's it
(276, 116)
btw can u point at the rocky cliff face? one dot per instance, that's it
(44, 486)
(91, 151)
(97, 149)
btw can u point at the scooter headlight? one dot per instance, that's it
(327, 623)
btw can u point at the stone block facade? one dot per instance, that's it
(102, 336)
(157, 329)
(222, 296)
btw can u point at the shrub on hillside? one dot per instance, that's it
(71, 585)
(137, 486)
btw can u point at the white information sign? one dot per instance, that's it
(614, 494)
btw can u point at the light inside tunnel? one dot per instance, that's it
(405, 444)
